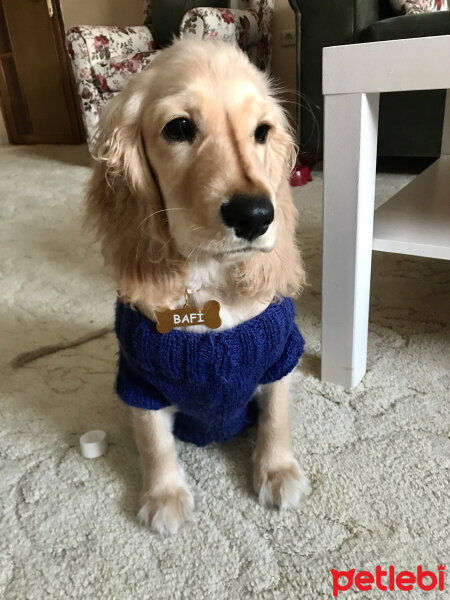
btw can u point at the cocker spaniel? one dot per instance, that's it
(190, 197)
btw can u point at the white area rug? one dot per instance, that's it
(378, 457)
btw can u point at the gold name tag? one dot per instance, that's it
(209, 315)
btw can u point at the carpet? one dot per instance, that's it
(378, 456)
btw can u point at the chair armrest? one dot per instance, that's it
(90, 46)
(97, 44)
(241, 27)
(236, 26)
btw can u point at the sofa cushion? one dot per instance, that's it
(168, 14)
(410, 26)
(406, 7)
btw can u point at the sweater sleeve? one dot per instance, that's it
(136, 392)
(289, 358)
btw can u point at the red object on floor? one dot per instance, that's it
(300, 175)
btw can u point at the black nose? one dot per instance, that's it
(249, 216)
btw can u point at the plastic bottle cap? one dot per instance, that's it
(93, 443)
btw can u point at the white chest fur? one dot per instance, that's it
(208, 280)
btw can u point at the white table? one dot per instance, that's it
(414, 221)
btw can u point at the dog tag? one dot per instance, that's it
(187, 316)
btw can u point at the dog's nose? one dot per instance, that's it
(249, 216)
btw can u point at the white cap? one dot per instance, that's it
(93, 443)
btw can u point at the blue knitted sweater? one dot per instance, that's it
(210, 377)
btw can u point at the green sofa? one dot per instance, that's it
(410, 123)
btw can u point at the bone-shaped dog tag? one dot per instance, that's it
(188, 316)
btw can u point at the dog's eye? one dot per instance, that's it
(179, 130)
(261, 133)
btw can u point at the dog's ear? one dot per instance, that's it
(119, 144)
(124, 201)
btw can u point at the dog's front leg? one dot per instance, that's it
(277, 477)
(165, 499)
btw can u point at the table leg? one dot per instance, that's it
(350, 148)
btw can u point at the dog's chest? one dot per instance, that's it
(209, 281)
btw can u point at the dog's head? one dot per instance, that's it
(194, 157)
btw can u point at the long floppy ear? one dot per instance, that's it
(119, 143)
(125, 205)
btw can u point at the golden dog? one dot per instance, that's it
(190, 192)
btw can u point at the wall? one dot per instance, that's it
(284, 57)
(102, 12)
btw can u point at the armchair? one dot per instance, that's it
(410, 123)
(104, 58)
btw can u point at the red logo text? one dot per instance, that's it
(388, 580)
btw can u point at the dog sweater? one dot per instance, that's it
(209, 377)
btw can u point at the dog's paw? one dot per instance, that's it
(281, 485)
(165, 512)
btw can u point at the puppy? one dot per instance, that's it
(190, 198)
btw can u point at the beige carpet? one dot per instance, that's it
(378, 457)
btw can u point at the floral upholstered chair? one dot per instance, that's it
(104, 58)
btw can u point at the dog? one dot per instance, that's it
(190, 198)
